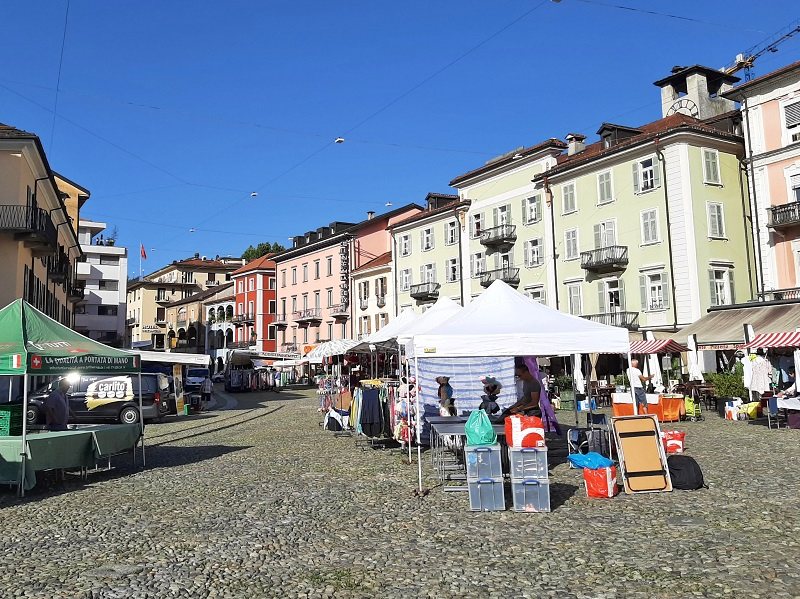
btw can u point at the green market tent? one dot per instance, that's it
(33, 343)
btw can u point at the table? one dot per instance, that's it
(667, 408)
(788, 403)
(76, 448)
(451, 436)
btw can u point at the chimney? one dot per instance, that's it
(575, 143)
(370, 215)
(197, 255)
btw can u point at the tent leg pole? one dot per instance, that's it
(419, 424)
(633, 393)
(23, 452)
(141, 419)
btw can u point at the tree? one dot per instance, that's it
(262, 249)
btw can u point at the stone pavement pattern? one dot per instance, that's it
(260, 502)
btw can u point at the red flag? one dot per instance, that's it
(142, 253)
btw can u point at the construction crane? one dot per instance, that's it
(748, 57)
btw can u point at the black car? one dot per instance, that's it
(103, 398)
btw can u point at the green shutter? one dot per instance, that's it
(656, 172)
(601, 297)
(635, 177)
(712, 288)
(621, 294)
(732, 286)
(540, 243)
(666, 289)
(527, 252)
(598, 237)
(643, 291)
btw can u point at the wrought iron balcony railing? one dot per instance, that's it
(508, 275)
(340, 311)
(499, 235)
(425, 291)
(33, 225)
(613, 257)
(381, 301)
(626, 320)
(280, 320)
(245, 317)
(308, 315)
(363, 303)
(58, 268)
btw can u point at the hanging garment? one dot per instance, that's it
(371, 419)
(548, 413)
(762, 375)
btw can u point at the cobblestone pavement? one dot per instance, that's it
(258, 501)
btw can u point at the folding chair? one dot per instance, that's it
(692, 404)
(773, 412)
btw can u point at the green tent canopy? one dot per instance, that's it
(33, 343)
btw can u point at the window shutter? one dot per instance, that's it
(643, 291)
(712, 287)
(433, 237)
(540, 242)
(472, 266)
(525, 212)
(621, 284)
(635, 177)
(611, 233)
(433, 273)
(527, 248)
(601, 297)
(732, 286)
(792, 115)
(543, 296)
(656, 172)
(598, 236)
(422, 274)
(537, 206)
(666, 290)
(495, 216)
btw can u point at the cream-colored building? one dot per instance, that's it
(187, 319)
(39, 211)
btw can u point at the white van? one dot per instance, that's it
(194, 378)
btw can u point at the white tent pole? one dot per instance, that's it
(24, 452)
(630, 382)
(141, 418)
(419, 423)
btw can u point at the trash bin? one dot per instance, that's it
(187, 409)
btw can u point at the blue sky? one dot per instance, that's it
(172, 113)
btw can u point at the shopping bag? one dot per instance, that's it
(673, 441)
(524, 431)
(479, 429)
(601, 482)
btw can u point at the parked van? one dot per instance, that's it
(195, 378)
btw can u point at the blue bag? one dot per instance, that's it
(591, 460)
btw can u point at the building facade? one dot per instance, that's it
(220, 328)
(314, 278)
(426, 254)
(770, 107)
(374, 301)
(104, 272)
(256, 304)
(186, 320)
(38, 241)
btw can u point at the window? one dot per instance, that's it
(568, 202)
(305, 335)
(383, 318)
(405, 245)
(305, 273)
(251, 284)
(502, 216)
(532, 209)
(716, 221)
(611, 296)
(451, 233)
(240, 308)
(654, 289)
(792, 114)
(605, 234)
(273, 306)
(161, 294)
(478, 264)
(711, 167)
(305, 301)
(330, 330)
(571, 244)
(329, 263)
(283, 278)
(188, 277)
(294, 275)
(794, 191)
(330, 297)
(317, 300)
(294, 303)
(650, 226)
(250, 308)
(605, 190)
(241, 286)
(283, 307)
(109, 260)
(364, 325)
(477, 224)
(363, 290)
(646, 175)
(575, 301)
(107, 310)
(405, 279)
(211, 277)
(427, 273)
(720, 281)
(537, 294)
(108, 285)
(534, 252)
(316, 269)
(451, 274)
(427, 239)
(271, 332)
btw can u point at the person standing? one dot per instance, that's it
(205, 391)
(56, 407)
(638, 380)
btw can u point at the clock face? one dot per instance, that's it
(684, 106)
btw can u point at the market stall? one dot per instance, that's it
(35, 344)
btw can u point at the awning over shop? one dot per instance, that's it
(172, 358)
(775, 340)
(657, 346)
(724, 328)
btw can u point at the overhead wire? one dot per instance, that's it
(58, 78)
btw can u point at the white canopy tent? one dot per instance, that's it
(335, 347)
(172, 357)
(387, 333)
(442, 310)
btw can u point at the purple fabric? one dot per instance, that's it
(548, 413)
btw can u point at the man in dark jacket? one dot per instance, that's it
(56, 407)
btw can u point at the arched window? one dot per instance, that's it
(220, 314)
(228, 337)
(229, 312)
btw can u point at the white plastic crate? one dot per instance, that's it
(531, 495)
(483, 461)
(528, 462)
(486, 495)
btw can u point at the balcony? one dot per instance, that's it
(787, 215)
(83, 271)
(775, 295)
(242, 318)
(425, 291)
(626, 320)
(499, 235)
(308, 316)
(58, 268)
(381, 300)
(75, 292)
(363, 304)
(241, 344)
(33, 226)
(613, 257)
(507, 275)
(340, 311)
(130, 322)
(281, 321)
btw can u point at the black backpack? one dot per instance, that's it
(685, 473)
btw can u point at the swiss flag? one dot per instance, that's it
(142, 253)
(36, 362)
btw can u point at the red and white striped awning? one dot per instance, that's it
(767, 340)
(657, 346)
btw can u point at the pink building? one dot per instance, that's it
(315, 294)
(771, 108)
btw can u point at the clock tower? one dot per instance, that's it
(696, 91)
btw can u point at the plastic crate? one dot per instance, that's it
(10, 420)
(483, 461)
(528, 462)
(531, 495)
(486, 495)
